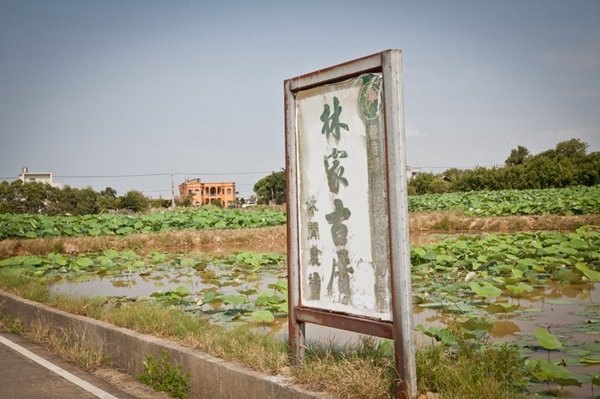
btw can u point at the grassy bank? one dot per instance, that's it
(363, 371)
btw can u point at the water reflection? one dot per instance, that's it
(558, 305)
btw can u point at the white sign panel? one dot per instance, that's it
(341, 190)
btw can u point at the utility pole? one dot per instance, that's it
(172, 192)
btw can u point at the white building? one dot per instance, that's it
(412, 172)
(39, 177)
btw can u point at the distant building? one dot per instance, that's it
(201, 193)
(38, 177)
(412, 172)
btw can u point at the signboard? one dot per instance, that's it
(339, 135)
(348, 249)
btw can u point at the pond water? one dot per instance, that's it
(559, 305)
(570, 311)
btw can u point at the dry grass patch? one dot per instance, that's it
(348, 376)
(452, 221)
(67, 344)
(263, 239)
(363, 370)
(492, 372)
(259, 352)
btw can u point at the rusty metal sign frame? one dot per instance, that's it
(400, 328)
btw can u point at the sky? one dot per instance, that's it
(135, 95)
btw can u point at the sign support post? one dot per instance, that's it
(347, 210)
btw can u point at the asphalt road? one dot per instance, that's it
(27, 371)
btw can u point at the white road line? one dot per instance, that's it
(54, 368)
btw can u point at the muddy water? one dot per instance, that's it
(565, 308)
(559, 306)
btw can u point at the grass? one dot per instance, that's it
(165, 377)
(273, 239)
(68, 344)
(472, 372)
(363, 371)
(454, 221)
(25, 287)
(11, 325)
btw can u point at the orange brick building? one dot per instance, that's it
(201, 193)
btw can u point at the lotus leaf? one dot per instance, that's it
(263, 316)
(486, 290)
(546, 339)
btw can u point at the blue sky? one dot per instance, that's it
(112, 88)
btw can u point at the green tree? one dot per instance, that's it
(421, 183)
(574, 149)
(588, 172)
(86, 202)
(271, 189)
(134, 201)
(427, 182)
(160, 203)
(107, 199)
(517, 156)
(31, 197)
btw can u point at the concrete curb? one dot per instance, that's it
(211, 377)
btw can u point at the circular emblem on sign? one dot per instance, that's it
(370, 97)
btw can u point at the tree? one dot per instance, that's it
(421, 183)
(31, 197)
(160, 203)
(134, 201)
(109, 192)
(573, 149)
(517, 156)
(107, 199)
(86, 202)
(271, 189)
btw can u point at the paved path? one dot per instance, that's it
(29, 372)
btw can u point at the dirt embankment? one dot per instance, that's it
(458, 222)
(273, 239)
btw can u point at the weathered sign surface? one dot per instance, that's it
(340, 193)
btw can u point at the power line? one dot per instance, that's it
(153, 175)
(221, 173)
(116, 176)
(110, 176)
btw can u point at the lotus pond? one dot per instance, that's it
(539, 290)
(559, 201)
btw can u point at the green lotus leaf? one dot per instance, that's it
(501, 307)
(592, 275)
(520, 288)
(590, 359)
(234, 299)
(84, 262)
(545, 370)
(263, 316)
(546, 339)
(486, 290)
